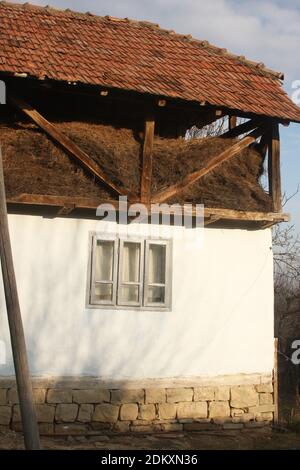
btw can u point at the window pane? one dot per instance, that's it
(156, 295)
(130, 294)
(103, 292)
(157, 264)
(104, 260)
(131, 262)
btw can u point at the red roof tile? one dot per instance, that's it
(137, 56)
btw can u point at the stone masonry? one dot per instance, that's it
(80, 406)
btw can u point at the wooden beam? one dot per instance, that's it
(274, 168)
(147, 159)
(224, 156)
(70, 147)
(242, 129)
(57, 201)
(93, 203)
(28, 414)
(231, 214)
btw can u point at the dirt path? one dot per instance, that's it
(247, 439)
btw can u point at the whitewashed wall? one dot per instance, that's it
(221, 320)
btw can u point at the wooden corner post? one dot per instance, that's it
(274, 168)
(28, 414)
(276, 381)
(147, 159)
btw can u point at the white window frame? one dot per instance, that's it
(168, 274)
(93, 282)
(144, 285)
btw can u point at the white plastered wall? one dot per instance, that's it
(221, 320)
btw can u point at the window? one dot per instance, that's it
(129, 273)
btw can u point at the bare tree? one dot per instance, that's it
(286, 248)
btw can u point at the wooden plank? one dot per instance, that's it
(224, 156)
(93, 203)
(230, 214)
(57, 201)
(242, 128)
(274, 168)
(70, 147)
(147, 159)
(28, 414)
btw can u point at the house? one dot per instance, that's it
(138, 326)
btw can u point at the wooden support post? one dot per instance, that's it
(147, 160)
(232, 122)
(274, 168)
(30, 427)
(275, 382)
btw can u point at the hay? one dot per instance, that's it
(233, 185)
(34, 164)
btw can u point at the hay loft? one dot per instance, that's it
(34, 164)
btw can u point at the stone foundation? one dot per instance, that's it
(83, 405)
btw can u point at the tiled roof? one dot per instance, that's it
(137, 56)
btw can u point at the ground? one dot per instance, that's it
(265, 438)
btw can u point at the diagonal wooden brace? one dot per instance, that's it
(70, 147)
(224, 156)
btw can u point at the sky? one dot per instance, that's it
(264, 30)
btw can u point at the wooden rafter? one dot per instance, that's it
(70, 147)
(211, 214)
(224, 156)
(274, 168)
(242, 128)
(147, 159)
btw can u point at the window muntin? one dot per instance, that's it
(157, 273)
(130, 273)
(103, 271)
